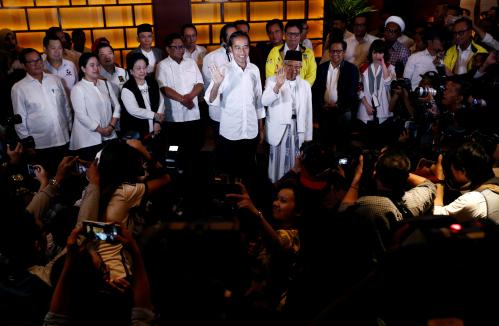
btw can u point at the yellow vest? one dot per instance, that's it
(452, 55)
(275, 60)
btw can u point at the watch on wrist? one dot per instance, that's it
(53, 182)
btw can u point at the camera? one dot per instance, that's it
(412, 129)
(100, 231)
(425, 91)
(31, 170)
(80, 168)
(402, 83)
(11, 136)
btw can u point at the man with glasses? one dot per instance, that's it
(41, 101)
(458, 58)
(181, 81)
(289, 115)
(358, 44)
(335, 96)
(399, 53)
(427, 60)
(275, 60)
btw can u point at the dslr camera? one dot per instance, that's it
(11, 136)
(402, 83)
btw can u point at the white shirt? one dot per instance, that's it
(67, 71)
(152, 60)
(239, 97)
(44, 109)
(471, 205)
(331, 94)
(218, 58)
(490, 41)
(181, 77)
(116, 79)
(356, 51)
(382, 91)
(286, 49)
(92, 106)
(196, 55)
(462, 60)
(132, 106)
(417, 64)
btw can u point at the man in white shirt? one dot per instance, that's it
(145, 38)
(358, 44)
(56, 65)
(427, 60)
(116, 76)
(181, 82)
(219, 58)
(237, 89)
(42, 103)
(192, 50)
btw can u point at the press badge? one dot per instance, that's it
(375, 101)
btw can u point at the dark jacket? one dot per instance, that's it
(348, 83)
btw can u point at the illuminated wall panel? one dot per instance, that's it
(266, 10)
(18, 3)
(13, 19)
(42, 18)
(143, 15)
(31, 40)
(114, 19)
(40, 3)
(119, 16)
(206, 13)
(213, 14)
(296, 9)
(234, 11)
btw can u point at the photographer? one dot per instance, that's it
(78, 297)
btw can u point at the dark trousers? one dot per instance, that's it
(334, 126)
(188, 136)
(237, 157)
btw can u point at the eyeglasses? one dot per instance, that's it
(176, 47)
(460, 33)
(390, 30)
(292, 34)
(336, 51)
(39, 60)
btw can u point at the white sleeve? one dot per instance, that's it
(269, 96)
(466, 207)
(132, 106)
(79, 106)
(19, 108)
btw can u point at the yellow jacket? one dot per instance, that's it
(275, 60)
(452, 55)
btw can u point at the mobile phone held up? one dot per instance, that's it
(102, 231)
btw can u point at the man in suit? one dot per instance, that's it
(335, 96)
(145, 39)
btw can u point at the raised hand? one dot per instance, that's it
(216, 74)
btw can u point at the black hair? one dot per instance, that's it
(343, 43)
(475, 162)
(434, 33)
(242, 22)
(294, 23)
(53, 30)
(465, 86)
(378, 46)
(339, 17)
(24, 52)
(223, 32)
(133, 58)
(456, 8)
(465, 20)
(293, 185)
(144, 28)
(274, 21)
(102, 45)
(82, 62)
(235, 35)
(186, 26)
(170, 37)
(392, 170)
(48, 38)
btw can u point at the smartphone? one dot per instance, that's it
(343, 161)
(102, 231)
(31, 170)
(80, 168)
(412, 128)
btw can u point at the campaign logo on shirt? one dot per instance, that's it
(121, 79)
(68, 72)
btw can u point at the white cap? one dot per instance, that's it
(397, 20)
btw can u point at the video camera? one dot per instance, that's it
(404, 83)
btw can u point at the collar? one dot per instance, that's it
(469, 48)
(178, 63)
(32, 79)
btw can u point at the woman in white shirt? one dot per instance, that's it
(96, 109)
(144, 104)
